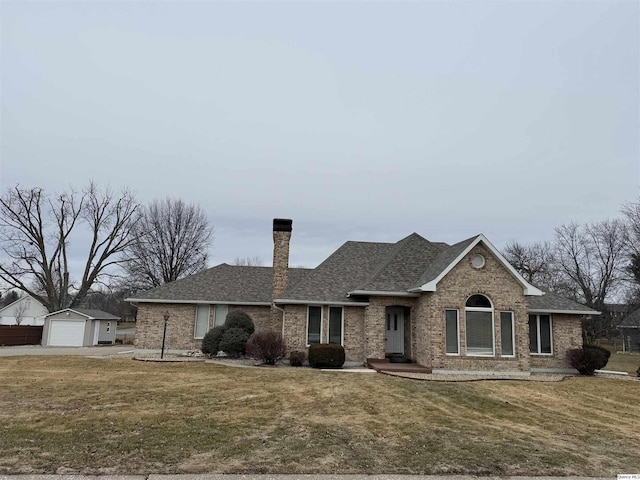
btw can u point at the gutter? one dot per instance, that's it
(377, 293)
(198, 302)
(287, 301)
(566, 312)
(283, 316)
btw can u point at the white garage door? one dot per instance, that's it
(66, 333)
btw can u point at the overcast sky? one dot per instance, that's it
(358, 120)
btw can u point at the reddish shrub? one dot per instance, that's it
(266, 346)
(297, 358)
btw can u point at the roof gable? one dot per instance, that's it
(449, 258)
(34, 306)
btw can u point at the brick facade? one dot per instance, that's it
(181, 324)
(364, 326)
(496, 283)
(295, 330)
(374, 323)
(566, 334)
(180, 327)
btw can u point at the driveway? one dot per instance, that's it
(99, 351)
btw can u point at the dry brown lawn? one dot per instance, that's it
(624, 362)
(81, 415)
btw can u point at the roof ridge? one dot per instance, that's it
(395, 251)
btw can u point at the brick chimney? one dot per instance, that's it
(281, 238)
(280, 279)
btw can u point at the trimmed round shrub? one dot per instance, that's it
(326, 355)
(239, 319)
(599, 354)
(588, 359)
(233, 342)
(297, 358)
(266, 346)
(211, 341)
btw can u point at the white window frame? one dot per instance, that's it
(513, 334)
(321, 323)
(493, 327)
(216, 307)
(538, 353)
(195, 322)
(329, 324)
(108, 327)
(457, 354)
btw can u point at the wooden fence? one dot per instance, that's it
(20, 335)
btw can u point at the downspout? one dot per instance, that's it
(283, 317)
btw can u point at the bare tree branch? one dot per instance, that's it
(35, 235)
(254, 261)
(171, 241)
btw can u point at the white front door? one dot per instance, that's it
(394, 333)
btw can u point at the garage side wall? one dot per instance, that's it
(107, 332)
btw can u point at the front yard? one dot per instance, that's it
(72, 414)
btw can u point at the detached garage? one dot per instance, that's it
(79, 327)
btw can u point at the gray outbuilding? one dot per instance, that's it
(79, 327)
(630, 328)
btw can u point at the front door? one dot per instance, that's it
(394, 334)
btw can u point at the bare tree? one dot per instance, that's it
(534, 262)
(593, 257)
(631, 211)
(111, 300)
(538, 265)
(171, 241)
(254, 261)
(35, 237)
(8, 298)
(21, 309)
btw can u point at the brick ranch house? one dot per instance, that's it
(450, 308)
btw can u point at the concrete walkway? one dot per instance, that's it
(286, 477)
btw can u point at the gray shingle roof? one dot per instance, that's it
(554, 302)
(345, 270)
(631, 319)
(447, 255)
(97, 314)
(404, 265)
(355, 266)
(223, 283)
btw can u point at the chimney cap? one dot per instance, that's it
(282, 224)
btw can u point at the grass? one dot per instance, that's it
(621, 362)
(109, 416)
(624, 362)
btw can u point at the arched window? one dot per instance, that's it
(479, 326)
(478, 301)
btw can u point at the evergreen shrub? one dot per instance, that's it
(326, 355)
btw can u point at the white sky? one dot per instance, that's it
(358, 120)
